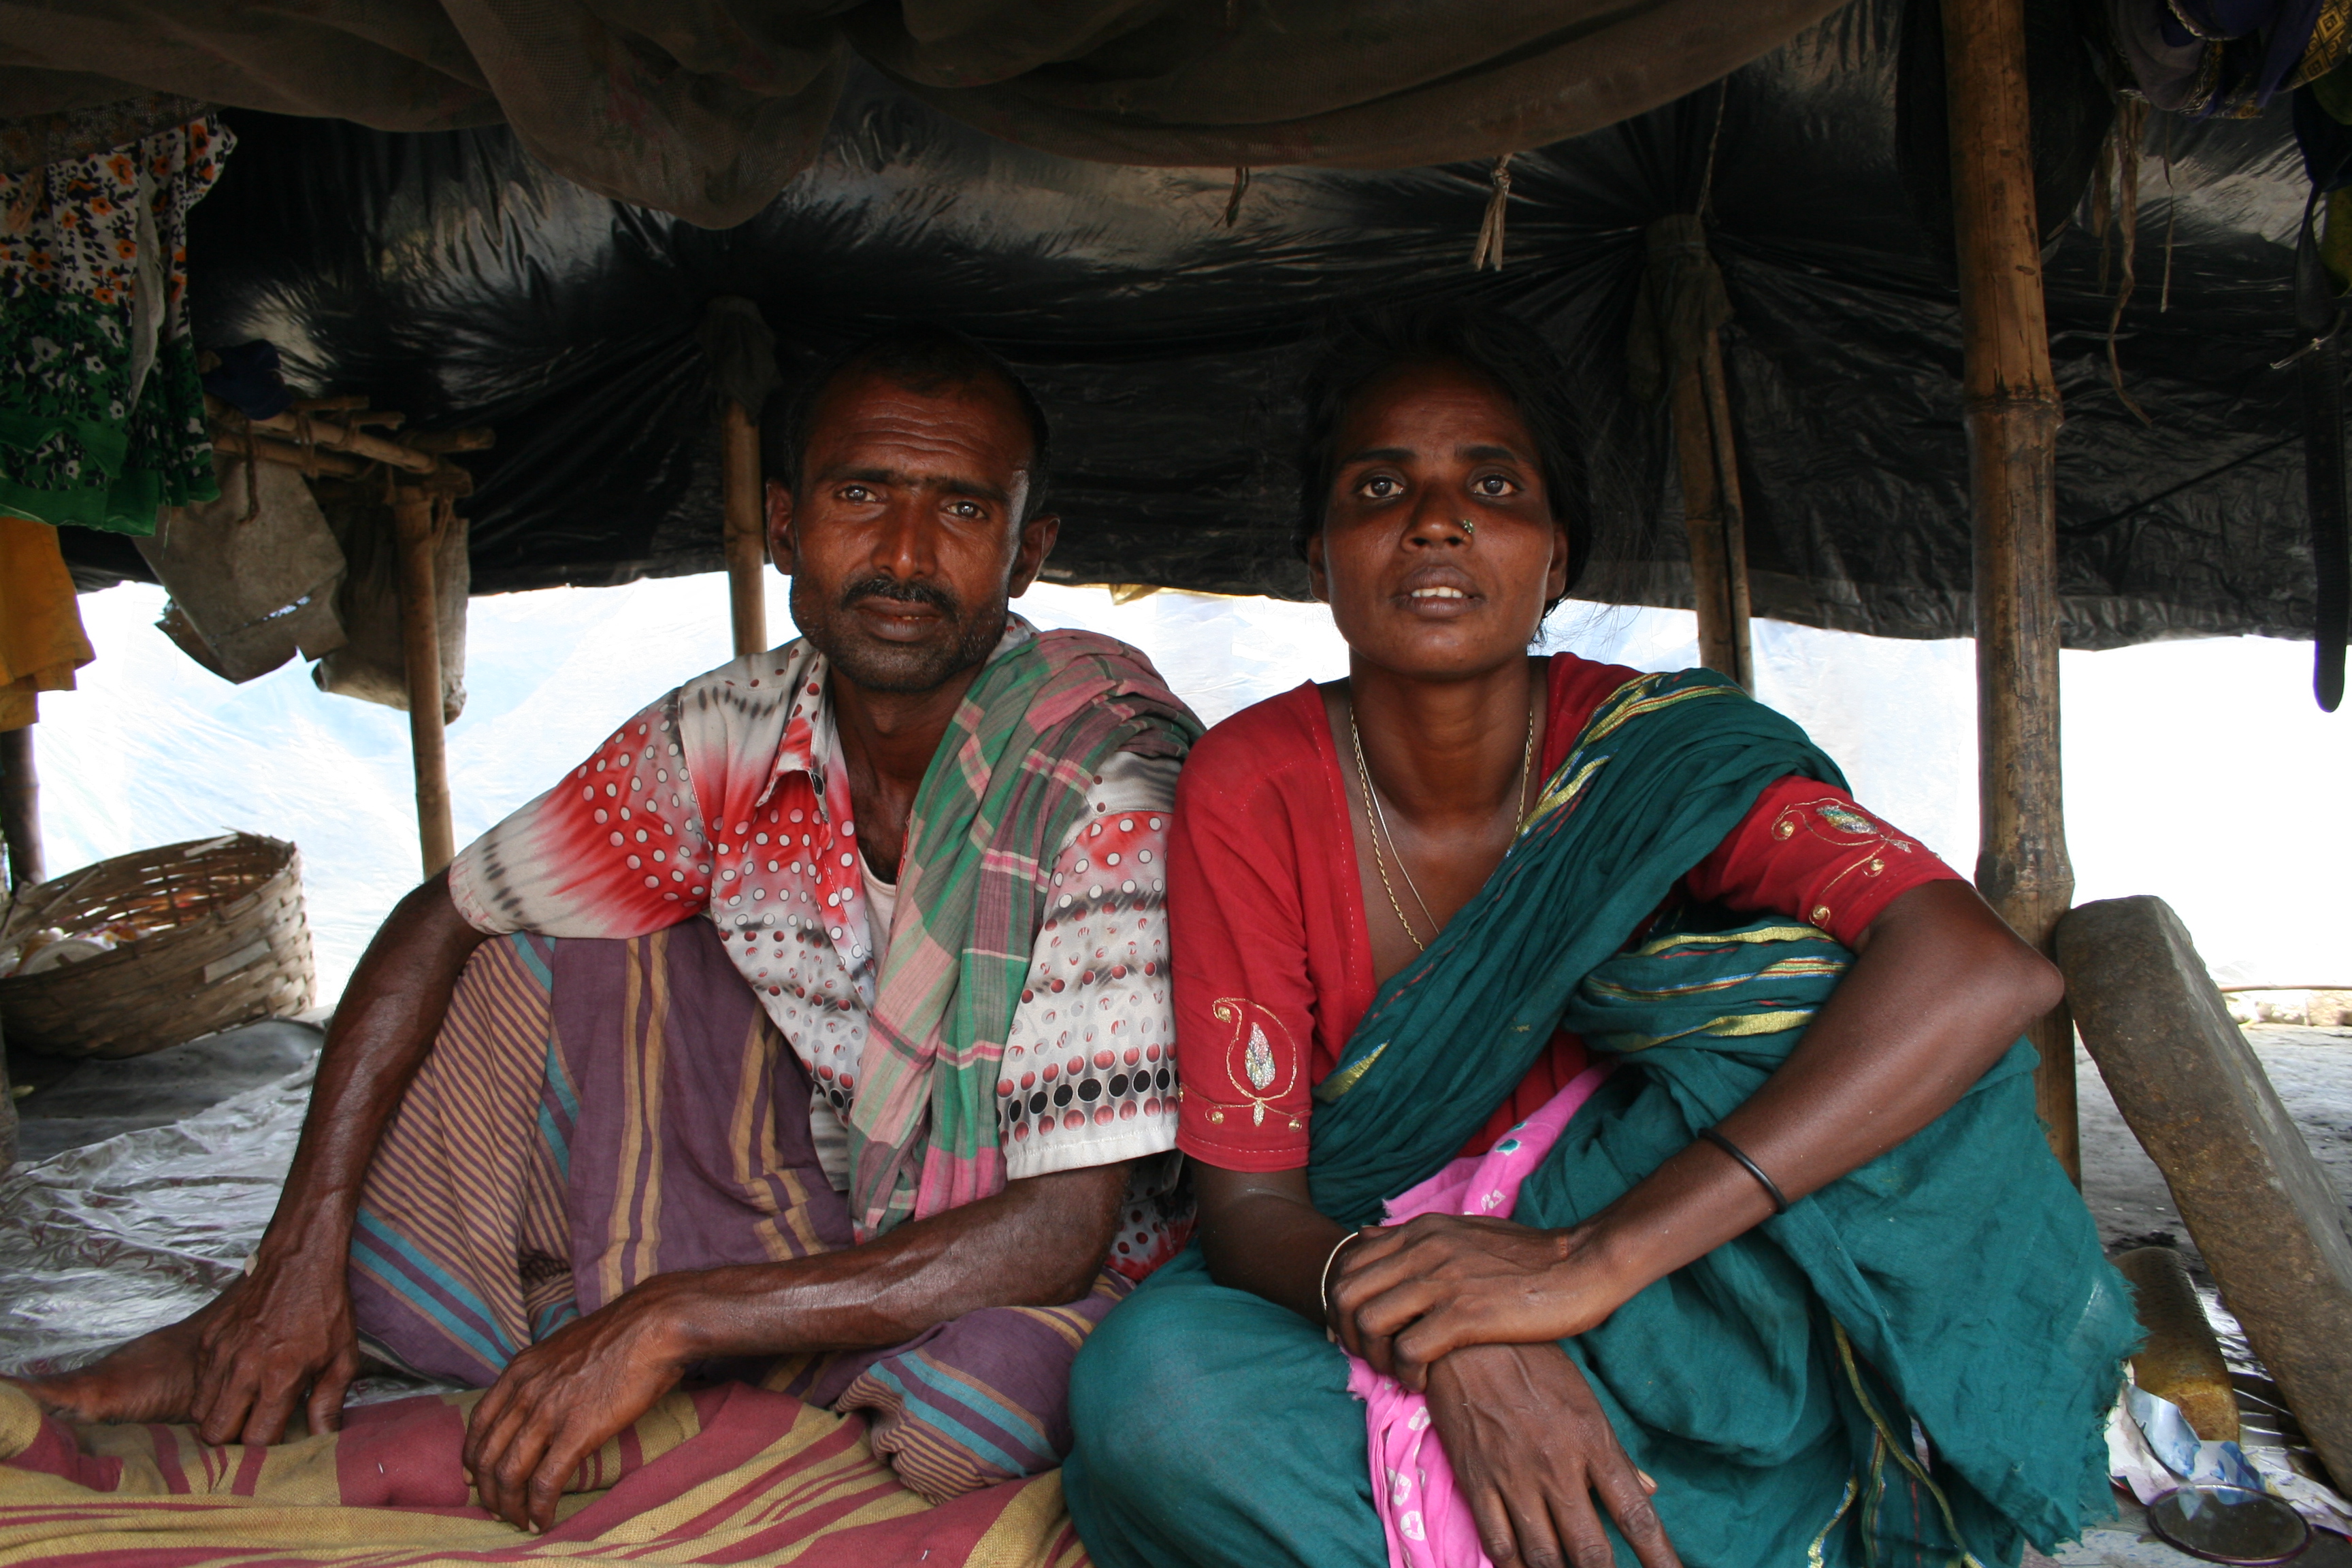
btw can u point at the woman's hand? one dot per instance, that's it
(1530, 1447)
(1403, 1297)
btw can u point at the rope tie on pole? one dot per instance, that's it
(1489, 253)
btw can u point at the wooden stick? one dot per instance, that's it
(746, 521)
(20, 808)
(323, 432)
(473, 440)
(1713, 522)
(310, 459)
(1726, 449)
(2012, 423)
(420, 648)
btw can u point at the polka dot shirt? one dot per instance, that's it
(728, 799)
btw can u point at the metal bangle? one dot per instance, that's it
(1771, 1187)
(1324, 1290)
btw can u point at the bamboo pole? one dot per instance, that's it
(310, 460)
(20, 808)
(746, 524)
(420, 649)
(2012, 423)
(1713, 522)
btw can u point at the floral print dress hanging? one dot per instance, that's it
(102, 414)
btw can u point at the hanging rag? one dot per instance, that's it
(370, 665)
(246, 376)
(41, 639)
(2227, 58)
(253, 581)
(102, 415)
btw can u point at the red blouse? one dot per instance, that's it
(1272, 959)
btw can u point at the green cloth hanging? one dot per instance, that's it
(93, 256)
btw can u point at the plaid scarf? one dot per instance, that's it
(1003, 792)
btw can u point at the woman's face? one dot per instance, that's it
(1439, 549)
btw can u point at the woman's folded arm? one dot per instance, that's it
(1939, 989)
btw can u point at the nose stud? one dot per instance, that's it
(1469, 529)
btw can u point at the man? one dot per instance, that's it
(559, 1146)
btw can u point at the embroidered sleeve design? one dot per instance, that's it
(1261, 1063)
(1836, 822)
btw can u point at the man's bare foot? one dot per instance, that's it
(152, 1378)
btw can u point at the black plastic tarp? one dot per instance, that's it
(448, 275)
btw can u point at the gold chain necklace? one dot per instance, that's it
(1376, 825)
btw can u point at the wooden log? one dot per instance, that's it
(20, 808)
(446, 480)
(1713, 522)
(473, 440)
(746, 526)
(2013, 426)
(2255, 1197)
(420, 648)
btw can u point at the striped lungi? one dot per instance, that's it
(593, 1113)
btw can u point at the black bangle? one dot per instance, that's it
(1771, 1187)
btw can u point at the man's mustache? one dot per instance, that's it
(903, 593)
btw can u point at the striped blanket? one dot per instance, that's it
(730, 1474)
(593, 1113)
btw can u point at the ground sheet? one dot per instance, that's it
(110, 1238)
(103, 1242)
(730, 1474)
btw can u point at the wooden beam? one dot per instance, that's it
(477, 439)
(325, 430)
(234, 443)
(20, 808)
(2012, 424)
(1713, 522)
(746, 524)
(420, 648)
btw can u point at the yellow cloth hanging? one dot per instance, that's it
(41, 639)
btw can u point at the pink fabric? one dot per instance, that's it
(1428, 1522)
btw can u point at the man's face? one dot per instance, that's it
(904, 544)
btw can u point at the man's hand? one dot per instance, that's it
(1405, 1296)
(559, 1401)
(283, 1330)
(1531, 1446)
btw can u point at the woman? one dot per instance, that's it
(1795, 1279)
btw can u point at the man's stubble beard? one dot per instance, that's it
(964, 642)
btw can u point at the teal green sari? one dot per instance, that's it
(1913, 1365)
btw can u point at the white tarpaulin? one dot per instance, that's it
(2196, 771)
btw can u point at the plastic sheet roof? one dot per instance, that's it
(450, 275)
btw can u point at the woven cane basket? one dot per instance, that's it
(222, 941)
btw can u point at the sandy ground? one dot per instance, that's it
(2311, 1069)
